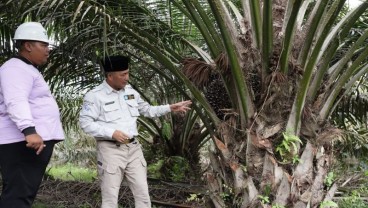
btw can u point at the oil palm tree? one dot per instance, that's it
(263, 75)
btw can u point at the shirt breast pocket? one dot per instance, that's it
(111, 112)
(133, 108)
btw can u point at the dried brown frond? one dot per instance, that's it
(261, 142)
(278, 12)
(299, 40)
(278, 99)
(222, 61)
(279, 77)
(246, 39)
(295, 67)
(329, 135)
(307, 113)
(230, 116)
(199, 72)
(227, 131)
(275, 57)
(58, 193)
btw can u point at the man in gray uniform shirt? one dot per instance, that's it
(109, 113)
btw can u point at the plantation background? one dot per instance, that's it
(279, 91)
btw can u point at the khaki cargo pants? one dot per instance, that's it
(117, 162)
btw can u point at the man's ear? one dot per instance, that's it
(27, 46)
(108, 75)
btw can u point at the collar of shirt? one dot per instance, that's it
(109, 89)
(26, 61)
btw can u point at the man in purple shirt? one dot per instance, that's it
(29, 118)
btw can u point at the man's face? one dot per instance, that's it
(38, 52)
(118, 79)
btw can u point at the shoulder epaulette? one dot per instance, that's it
(98, 88)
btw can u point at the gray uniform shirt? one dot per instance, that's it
(105, 110)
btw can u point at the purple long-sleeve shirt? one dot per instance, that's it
(26, 101)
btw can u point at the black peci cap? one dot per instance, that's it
(115, 63)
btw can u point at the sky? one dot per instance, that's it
(354, 3)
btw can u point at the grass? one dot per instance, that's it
(70, 172)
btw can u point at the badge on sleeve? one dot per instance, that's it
(87, 105)
(129, 97)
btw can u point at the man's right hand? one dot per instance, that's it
(35, 141)
(120, 136)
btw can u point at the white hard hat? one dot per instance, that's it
(31, 31)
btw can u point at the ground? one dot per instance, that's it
(73, 194)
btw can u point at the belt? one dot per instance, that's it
(127, 141)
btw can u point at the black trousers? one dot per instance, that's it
(22, 172)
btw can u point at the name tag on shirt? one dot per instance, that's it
(109, 103)
(129, 97)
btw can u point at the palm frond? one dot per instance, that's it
(353, 143)
(352, 110)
